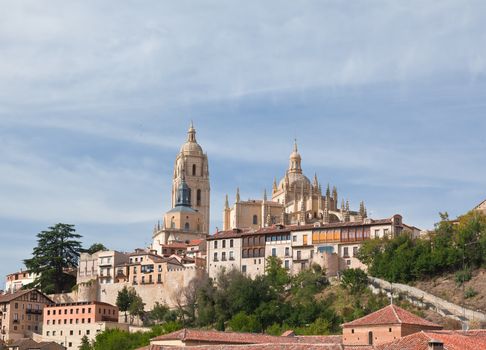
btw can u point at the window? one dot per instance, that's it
(231, 243)
(389, 329)
(355, 251)
(47, 333)
(194, 170)
(71, 332)
(215, 257)
(286, 264)
(377, 233)
(224, 243)
(294, 238)
(215, 244)
(223, 256)
(186, 226)
(299, 255)
(370, 338)
(348, 262)
(385, 232)
(231, 255)
(198, 197)
(87, 332)
(243, 268)
(312, 254)
(255, 220)
(345, 251)
(274, 251)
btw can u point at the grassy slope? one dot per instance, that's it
(445, 287)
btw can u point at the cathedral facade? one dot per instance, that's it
(188, 217)
(295, 200)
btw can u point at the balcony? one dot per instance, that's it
(16, 321)
(108, 319)
(33, 312)
(231, 258)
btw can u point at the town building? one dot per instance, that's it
(295, 200)
(100, 266)
(391, 328)
(30, 344)
(385, 325)
(67, 323)
(189, 216)
(21, 314)
(481, 207)
(17, 280)
(333, 246)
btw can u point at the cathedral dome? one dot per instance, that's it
(191, 147)
(294, 174)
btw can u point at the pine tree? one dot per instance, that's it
(57, 251)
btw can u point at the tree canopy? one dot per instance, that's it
(445, 249)
(56, 253)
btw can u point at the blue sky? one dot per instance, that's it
(387, 101)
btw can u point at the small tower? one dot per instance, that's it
(334, 197)
(346, 212)
(237, 199)
(226, 215)
(274, 189)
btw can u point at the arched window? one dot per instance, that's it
(194, 170)
(370, 338)
(186, 226)
(172, 222)
(255, 220)
(198, 197)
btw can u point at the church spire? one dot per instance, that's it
(226, 204)
(274, 185)
(237, 194)
(295, 160)
(191, 133)
(265, 195)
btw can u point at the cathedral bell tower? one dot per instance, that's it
(191, 164)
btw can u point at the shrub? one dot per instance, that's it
(469, 293)
(462, 276)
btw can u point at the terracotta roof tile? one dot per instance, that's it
(452, 340)
(391, 314)
(246, 338)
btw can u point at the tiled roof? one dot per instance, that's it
(227, 234)
(6, 298)
(175, 245)
(27, 343)
(452, 340)
(265, 346)
(195, 242)
(246, 338)
(391, 314)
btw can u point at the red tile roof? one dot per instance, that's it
(452, 340)
(227, 234)
(245, 338)
(391, 314)
(268, 346)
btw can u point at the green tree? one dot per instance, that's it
(241, 322)
(136, 308)
(95, 247)
(85, 344)
(159, 312)
(56, 253)
(355, 280)
(276, 274)
(124, 299)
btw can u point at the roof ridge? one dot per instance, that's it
(396, 314)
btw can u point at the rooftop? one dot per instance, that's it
(391, 314)
(452, 340)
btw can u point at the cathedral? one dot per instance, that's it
(188, 217)
(295, 200)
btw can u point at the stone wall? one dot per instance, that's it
(173, 282)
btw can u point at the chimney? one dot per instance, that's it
(435, 345)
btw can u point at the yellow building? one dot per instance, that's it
(295, 200)
(189, 216)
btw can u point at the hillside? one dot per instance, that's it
(445, 287)
(345, 304)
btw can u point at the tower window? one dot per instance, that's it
(255, 220)
(198, 197)
(194, 170)
(172, 222)
(186, 226)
